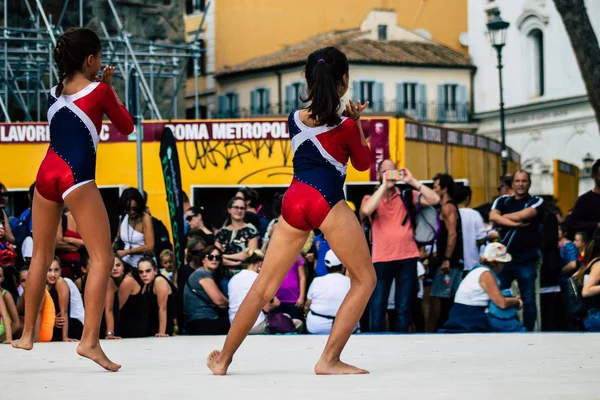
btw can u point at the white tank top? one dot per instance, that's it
(470, 292)
(132, 240)
(76, 301)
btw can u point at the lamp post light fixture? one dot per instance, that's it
(588, 162)
(497, 37)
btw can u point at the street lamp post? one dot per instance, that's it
(497, 36)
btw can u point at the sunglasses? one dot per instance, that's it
(190, 217)
(212, 257)
(3, 194)
(22, 280)
(238, 208)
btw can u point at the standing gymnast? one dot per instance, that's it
(75, 109)
(322, 142)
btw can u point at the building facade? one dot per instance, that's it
(397, 71)
(548, 115)
(237, 31)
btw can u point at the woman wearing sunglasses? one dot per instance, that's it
(234, 239)
(205, 306)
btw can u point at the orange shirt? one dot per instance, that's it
(391, 240)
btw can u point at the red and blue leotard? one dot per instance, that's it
(75, 121)
(320, 160)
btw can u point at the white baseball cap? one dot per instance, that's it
(331, 259)
(496, 252)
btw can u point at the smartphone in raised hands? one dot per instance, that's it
(394, 174)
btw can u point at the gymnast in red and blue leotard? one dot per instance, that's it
(320, 161)
(67, 174)
(322, 141)
(75, 121)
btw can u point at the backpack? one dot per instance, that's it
(424, 220)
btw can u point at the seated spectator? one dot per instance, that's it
(253, 215)
(167, 261)
(68, 242)
(325, 296)
(65, 324)
(234, 238)
(480, 290)
(9, 301)
(111, 320)
(6, 332)
(4, 219)
(195, 220)
(44, 326)
(581, 241)
(133, 305)
(569, 253)
(135, 231)
(205, 306)
(194, 253)
(84, 261)
(292, 291)
(160, 295)
(589, 275)
(240, 285)
(8, 259)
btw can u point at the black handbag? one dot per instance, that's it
(572, 298)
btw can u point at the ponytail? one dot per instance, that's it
(324, 72)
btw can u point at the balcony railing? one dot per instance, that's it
(432, 112)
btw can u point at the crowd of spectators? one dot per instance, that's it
(513, 265)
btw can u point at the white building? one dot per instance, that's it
(548, 115)
(396, 70)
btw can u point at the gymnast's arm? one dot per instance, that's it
(360, 153)
(116, 111)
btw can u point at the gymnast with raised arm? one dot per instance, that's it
(322, 142)
(75, 109)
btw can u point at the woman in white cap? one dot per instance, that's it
(479, 305)
(325, 296)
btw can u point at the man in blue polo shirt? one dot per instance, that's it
(519, 219)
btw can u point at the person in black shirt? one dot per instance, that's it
(518, 218)
(195, 220)
(450, 258)
(586, 213)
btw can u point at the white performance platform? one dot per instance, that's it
(490, 366)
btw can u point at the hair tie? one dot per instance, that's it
(321, 60)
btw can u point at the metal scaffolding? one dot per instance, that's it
(27, 69)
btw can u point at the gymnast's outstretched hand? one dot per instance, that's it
(353, 110)
(107, 75)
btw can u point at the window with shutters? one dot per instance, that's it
(228, 105)
(411, 100)
(260, 103)
(370, 91)
(293, 94)
(452, 103)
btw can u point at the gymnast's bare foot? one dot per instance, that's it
(94, 352)
(216, 363)
(337, 368)
(23, 343)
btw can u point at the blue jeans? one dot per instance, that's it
(405, 273)
(525, 274)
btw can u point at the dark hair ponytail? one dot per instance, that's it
(71, 50)
(324, 71)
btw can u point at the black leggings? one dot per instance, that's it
(219, 326)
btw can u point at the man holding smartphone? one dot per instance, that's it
(395, 252)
